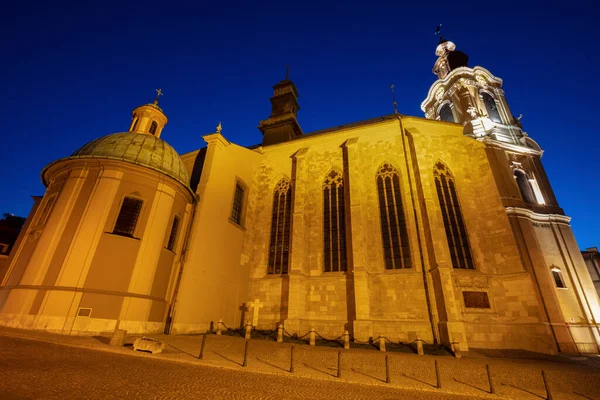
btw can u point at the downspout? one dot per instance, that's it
(412, 198)
(183, 258)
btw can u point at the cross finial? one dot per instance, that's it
(394, 99)
(158, 94)
(287, 72)
(438, 31)
(219, 127)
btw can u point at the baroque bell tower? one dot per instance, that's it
(474, 98)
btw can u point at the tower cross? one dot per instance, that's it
(158, 94)
(287, 72)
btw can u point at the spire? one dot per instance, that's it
(282, 124)
(448, 57)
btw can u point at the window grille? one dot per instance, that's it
(446, 113)
(491, 107)
(279, 246)
(456, 233)
(173, 234)
(238, 199)
(334, 230)
(396, 247)
(128, 216)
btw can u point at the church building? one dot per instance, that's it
(444, 228)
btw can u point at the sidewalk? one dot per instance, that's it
(569, 378)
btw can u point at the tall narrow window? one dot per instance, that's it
(558, 279)
(173, 234)
(334, 230)
(153, 127)
(524, 186)
(491, 107)
(446, 113)
(279, 247)
(238, 199)
(456, 233)
(396, 249)
(128, 216)
(134, 124)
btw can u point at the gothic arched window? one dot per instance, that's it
(153, 127)
(279, 247)
(491, 107)
(396, 249)
(446, 113)
(334, 231)
(456, 233)
(524, 186)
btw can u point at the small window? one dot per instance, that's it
(173, 234)
(128, 216)
(446, 113)
(238, 200)
(558, 279)
(491, 107)
(134, 125)
(153, 127)
(476, 300)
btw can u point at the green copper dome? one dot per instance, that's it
(137, 148)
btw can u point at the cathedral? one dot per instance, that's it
(443, 227)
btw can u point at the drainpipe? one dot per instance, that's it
(183, 258)
(412, 198)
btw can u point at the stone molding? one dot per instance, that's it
(541, 219)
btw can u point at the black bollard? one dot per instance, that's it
(387, 370)
(292, 360)
(489, 374)
(339, 372)
(548, 394)
(437, 375)
(245, 363)
(201, 355)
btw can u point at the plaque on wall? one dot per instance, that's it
(476, 299)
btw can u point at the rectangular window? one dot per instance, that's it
(128, 216)
(476, 300)
(238, 199)
(558, 279)
(173, 235)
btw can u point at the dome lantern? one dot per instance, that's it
(149, 118)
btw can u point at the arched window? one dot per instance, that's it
(128, 216)
(446, 113)
(134, 124)
(524, 186)
(394, 236)
(456, 233)
(153, 127)
(279, 248)
(334, 230)
(491, 107)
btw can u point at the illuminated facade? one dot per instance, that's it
(444, 228)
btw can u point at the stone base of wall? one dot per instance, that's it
(81, 326)
(531, 337)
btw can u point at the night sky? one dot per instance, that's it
(72, 73)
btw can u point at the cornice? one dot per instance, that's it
(538, 218)
(509, 146)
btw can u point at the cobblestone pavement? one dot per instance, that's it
(37, 370)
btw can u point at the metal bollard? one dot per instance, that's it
(489, 374)
(292, 360)
(219, 326)
(387, 370)
(381, 344)
(346, 340)
(548, 393)
(245, 363)
(248, 332)
(437, 375)
(312, 336)
(339, 371)
(420, 347)
(280, 333)
(201, 355)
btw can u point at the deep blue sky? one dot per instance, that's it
(71, 73)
